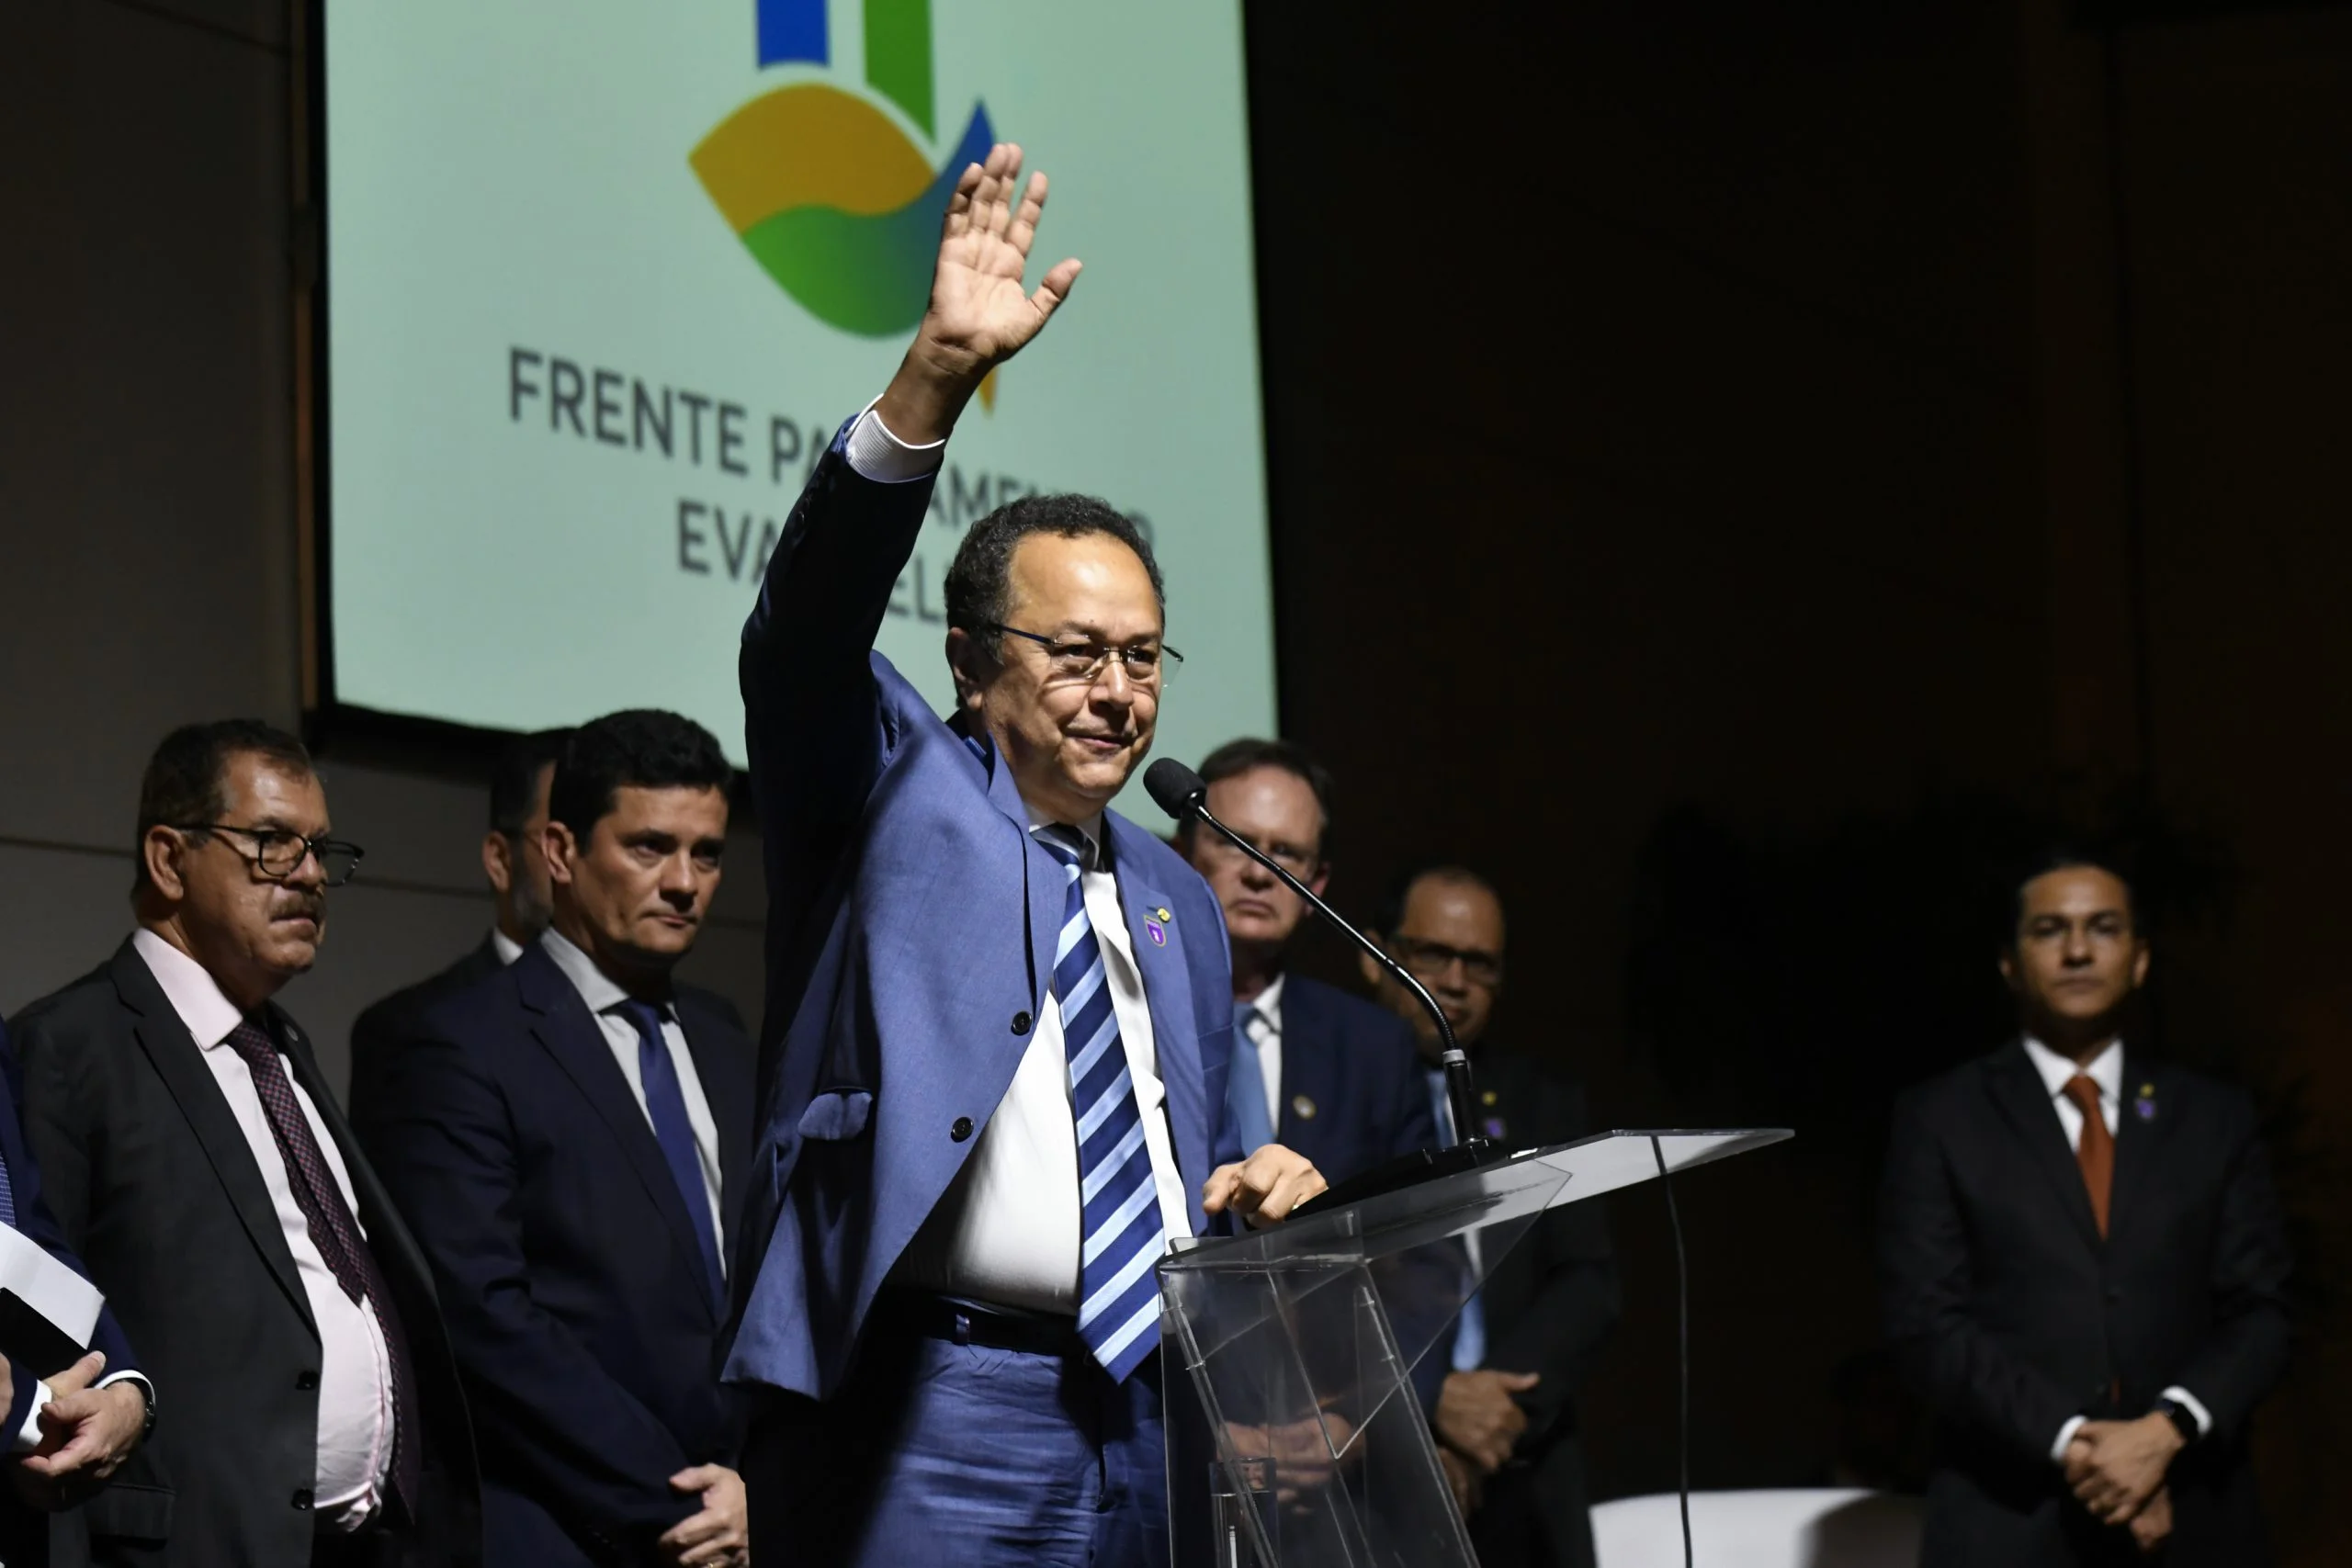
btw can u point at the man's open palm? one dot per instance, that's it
(980, 311)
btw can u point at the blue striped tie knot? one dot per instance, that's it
(1118, 1314)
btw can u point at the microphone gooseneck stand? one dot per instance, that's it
(1179, 792)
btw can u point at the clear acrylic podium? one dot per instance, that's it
(1291, 1354)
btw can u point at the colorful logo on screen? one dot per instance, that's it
(832, 199)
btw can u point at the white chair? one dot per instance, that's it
(1827, 1527)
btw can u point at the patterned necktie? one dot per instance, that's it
(1118, 1285)
(1245, 1082)
(665, 1105)
(7, 1196)
(336, 1234)
(2095, 1152)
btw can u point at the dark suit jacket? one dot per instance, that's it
(23, 1534)
(377, 1033)
(2011, 1314)
(1352, 1094)
(153, 1182)
(568, 1266)
(1550, 1304)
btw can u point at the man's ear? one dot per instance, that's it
(1374, 975)
(969, 663)
(2140, 966)
(162, 850)
(498, 860)
(1319, 880)
(2009, 965)
(560, 847)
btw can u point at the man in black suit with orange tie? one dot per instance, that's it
(514, 863)
(2084, 1267)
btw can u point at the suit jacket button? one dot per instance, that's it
(1021, 1022)
(303, 1499)
(306, 1379)
(962, 1128)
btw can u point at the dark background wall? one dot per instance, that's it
(1729, 462)
(1726, 457)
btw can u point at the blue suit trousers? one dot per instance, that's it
(936, 1452)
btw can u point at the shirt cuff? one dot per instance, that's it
(878, 455)
(2066, 1435)
(2195, 1406)
(27, 1437)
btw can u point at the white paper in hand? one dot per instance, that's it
(48, 1313)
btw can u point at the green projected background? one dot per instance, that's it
(604, 277)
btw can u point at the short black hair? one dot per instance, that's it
(637, 747)
(514, 778)
(1237, 757)
(1388, 913)
(188, 774)
(979, 589)
(2069, 854)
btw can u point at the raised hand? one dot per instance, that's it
(980, 314)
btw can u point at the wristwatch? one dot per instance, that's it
(2183, 1420)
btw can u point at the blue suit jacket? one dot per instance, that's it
(37, 1223)
(568, 1272)
(1353, 1093)
(910, 941)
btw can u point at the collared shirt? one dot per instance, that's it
(506, 947)
(1008, 1231)
(1265, 1030)
(356, 1420)
(604, 996)
(2107, 1071)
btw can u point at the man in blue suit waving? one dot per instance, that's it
(998, 1015)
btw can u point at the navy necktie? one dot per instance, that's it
(665, 1106)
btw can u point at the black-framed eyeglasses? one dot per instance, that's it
(280, 851)
(1431, 959)
(1081, 660)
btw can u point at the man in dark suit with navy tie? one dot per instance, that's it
(569, 1139)
(514, 863)
(998, 1014)
(1330, 1075)
(61, 1437)
(2084, 1265)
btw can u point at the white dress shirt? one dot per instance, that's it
(356, 1420)
(1265, 1030)
(2107, 1071)
(605, 996)
(1008, 1231)
(506, 947)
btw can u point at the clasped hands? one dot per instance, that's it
(2116, 1470)
(1478, 1424)
(86, 1433)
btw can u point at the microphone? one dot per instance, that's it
(1178, 792)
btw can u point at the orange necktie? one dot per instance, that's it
(2095, 1153)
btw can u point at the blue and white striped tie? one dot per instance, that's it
(1118, 1284)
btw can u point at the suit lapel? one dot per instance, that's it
(2140, 1137)
(1310, 1071)
(1046, 882)
(566, 1030)
(179, 1062)
(1154, 936)
(2025, 1101)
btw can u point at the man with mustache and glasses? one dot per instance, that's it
(197, 1162)
(998, 1015)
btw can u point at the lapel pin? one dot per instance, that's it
(1485, 1096)
(2146, 1106)
(1157, 933)
(1302, 1107)
(1494, 1126)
